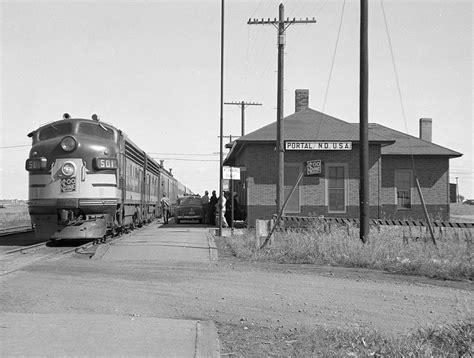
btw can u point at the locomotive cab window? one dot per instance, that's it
(55, 130)
(96, 130)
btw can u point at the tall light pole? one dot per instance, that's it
(221, 137)
(364, 123)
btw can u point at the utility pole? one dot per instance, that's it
(242, 105)
(221, 170)
(281, 24)
(364, 123)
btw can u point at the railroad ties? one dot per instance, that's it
(304, 221)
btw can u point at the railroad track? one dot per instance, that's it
(18, 258)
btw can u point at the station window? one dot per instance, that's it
(336, 188)
(403, 184)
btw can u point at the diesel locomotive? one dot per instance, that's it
(87, 179)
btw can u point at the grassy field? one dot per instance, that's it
(453, 340)
(392, 249)
(13, 216)
(461, 212)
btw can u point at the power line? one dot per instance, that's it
(334, 55)
(15, 146)
(188, 160)
(192, 154)
(242, 105)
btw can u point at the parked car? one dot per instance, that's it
(468, 202)
(188, 208)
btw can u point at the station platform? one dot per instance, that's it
(79, 335)
(106, 335)
(158, 242)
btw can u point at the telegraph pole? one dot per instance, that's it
(281, 24)
(364, 123)
(242, 105)
(221, 170)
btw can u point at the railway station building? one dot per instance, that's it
(326, 149)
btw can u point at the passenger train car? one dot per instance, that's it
(88, 179)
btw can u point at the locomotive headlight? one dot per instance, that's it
(68, 144)
(68, 169)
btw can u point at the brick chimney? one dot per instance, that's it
(301, 99)
(425, 129)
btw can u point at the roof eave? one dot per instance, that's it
(453, 155)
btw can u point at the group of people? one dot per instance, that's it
(211, 209)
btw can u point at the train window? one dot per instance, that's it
(96, 130)
(55, 130)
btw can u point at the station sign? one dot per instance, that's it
(314, 167)
(232, 173)
(314, 145)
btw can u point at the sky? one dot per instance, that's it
(152, 69)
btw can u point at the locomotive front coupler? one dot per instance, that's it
(71, 217)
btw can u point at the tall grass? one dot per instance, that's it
(12, 216)
(448, 340)
(393, 249)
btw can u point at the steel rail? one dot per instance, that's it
(48, 256)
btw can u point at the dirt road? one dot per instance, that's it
(276, 296)
(162, 273)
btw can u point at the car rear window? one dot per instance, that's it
(96, 130)
(191, 201)
(55, 130)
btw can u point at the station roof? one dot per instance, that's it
(309, 124)
(312, 125)
(406, 144)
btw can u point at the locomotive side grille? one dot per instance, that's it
(133, 153)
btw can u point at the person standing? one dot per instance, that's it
(205, 207)
(228, 209)
(221, 209)
(165, 208)
(212, 208)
